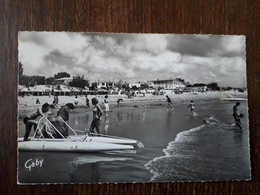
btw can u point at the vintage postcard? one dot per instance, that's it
(117, 107)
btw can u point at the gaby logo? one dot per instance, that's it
(29, 164)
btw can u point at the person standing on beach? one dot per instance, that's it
(76, 101)
(106, 105)
(64, 111)
(55, 100)
(192, 107)
(237, 116)
(87, 101)
(97, 113)
(30, 121)
(169, 103)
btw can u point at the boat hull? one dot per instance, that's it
(70, 146)
(48, 137)
(112, 140)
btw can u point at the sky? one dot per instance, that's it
(135, 57)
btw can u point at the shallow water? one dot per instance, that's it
(209, 152)
(217, 151)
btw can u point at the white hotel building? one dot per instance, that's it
(169, 84)
(103, 84)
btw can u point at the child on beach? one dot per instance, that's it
(237, 116)
(76, 101)
(30, 121)
(169, 101)
(37, 101)
(97, 113)
(192, 107)
(56, 100)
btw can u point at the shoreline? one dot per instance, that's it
(142, 103)
(27, 103)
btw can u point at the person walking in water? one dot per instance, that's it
(64, 114)
(97, 113)
(236, 115)
(192, 107)
(169, 101)
(30, 121)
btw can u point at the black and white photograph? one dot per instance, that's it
(131, 108)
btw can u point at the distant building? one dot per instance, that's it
(138, 85)
(169, 84)
(103, 84)
(196, 88)
(63, 81)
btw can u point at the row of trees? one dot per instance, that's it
(30, 81)
(77, 81)
(82, 82)
(214, 86)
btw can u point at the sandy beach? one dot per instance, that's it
(27, 104)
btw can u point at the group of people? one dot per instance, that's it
(48, 110)
(236, 115)
(170, 106)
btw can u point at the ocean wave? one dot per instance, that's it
(196, 154)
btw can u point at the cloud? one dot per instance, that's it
(107, 56)
(207, 45)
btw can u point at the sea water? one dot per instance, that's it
(210, 152)
(178, 147)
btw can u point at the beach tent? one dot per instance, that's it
(40, 90)
(23, 90)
